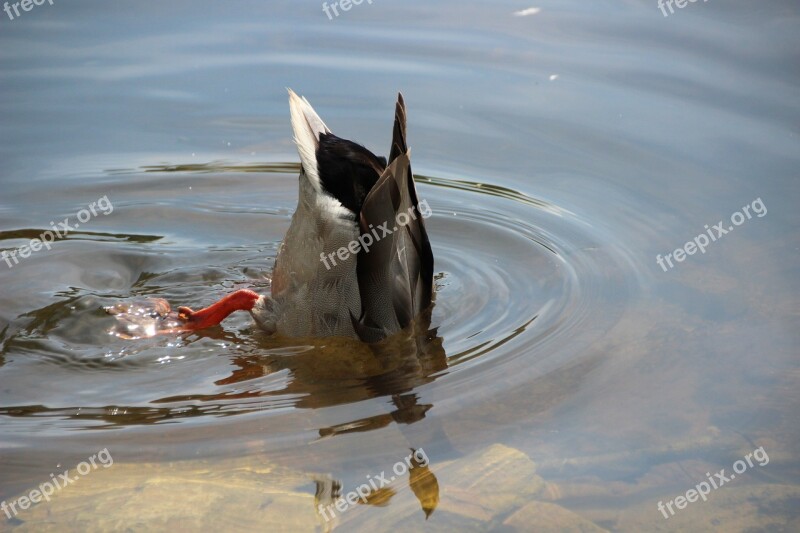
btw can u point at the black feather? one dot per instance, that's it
(347, 170)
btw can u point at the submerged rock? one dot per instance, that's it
(544, 517)
(178, 496)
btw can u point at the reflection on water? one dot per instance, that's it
(562, 380)
(323, 373)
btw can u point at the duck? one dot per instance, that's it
(356, 260)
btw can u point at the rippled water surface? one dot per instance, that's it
(564, 378)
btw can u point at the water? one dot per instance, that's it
(567, 378)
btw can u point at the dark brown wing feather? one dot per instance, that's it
(395, 274)
(416, 229)
(399, 145)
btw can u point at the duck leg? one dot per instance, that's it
(148, 317)
(241, 300)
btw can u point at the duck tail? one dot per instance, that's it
(396, 273)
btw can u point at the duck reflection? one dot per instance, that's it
(339, 371)
(329, 501)
(335, 371)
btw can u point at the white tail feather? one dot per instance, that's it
(307, 127)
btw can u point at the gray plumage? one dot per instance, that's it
(346, 192)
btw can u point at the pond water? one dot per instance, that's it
(578, 369)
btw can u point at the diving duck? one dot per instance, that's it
(356, 260)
